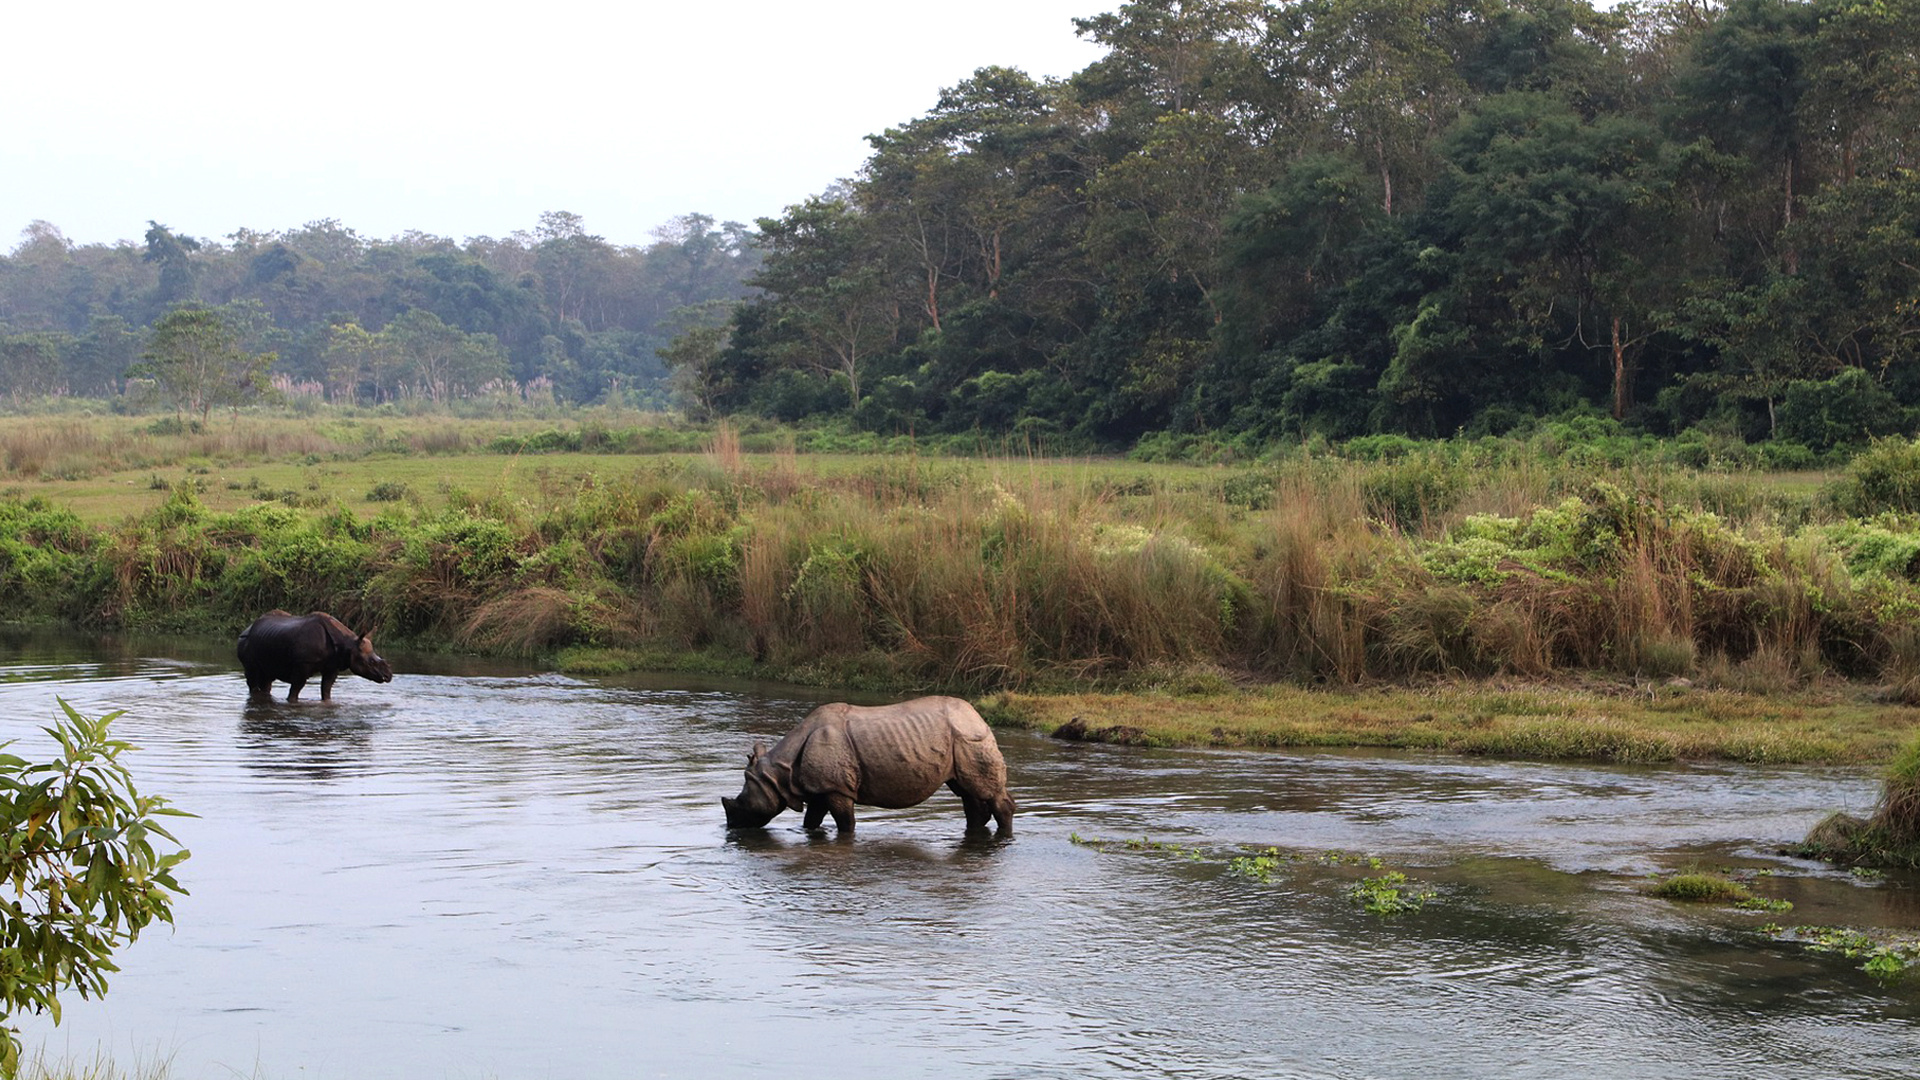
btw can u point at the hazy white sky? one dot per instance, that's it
(471, 119)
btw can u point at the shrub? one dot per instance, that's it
(391, 491)
(1891, 837)
(1848, 409)
(1884, 477)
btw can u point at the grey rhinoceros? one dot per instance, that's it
(888, 756)
(294, 648)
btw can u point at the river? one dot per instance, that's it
(483, 870)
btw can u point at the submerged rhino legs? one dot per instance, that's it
(840, 806)
(977, 810)
(980, 808)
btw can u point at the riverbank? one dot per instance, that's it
(1834, 723)
(1536, 598)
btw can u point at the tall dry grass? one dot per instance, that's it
(1304, 555)
(1014, 572)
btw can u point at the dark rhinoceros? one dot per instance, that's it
(888, 756)
(284, 647)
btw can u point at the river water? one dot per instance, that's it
(486, 871)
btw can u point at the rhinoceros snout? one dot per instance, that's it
(739, 817)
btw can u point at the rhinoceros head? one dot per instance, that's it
(368, 664)
(762, 797)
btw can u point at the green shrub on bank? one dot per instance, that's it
(46, 558)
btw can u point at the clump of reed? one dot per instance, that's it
(1890, 836)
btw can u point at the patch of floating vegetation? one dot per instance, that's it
(1884, 956)
(1390, 893)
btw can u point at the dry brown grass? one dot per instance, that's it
(524, 622)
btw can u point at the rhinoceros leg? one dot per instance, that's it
(983, 803)
(293, 689)
(841, 807)
(816, 812)
(977, 810)
(326, 685)
(1003, 814)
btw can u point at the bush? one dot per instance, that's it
(1849, 409)
(391, 491)
(1884, 477)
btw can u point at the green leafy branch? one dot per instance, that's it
(85, 873)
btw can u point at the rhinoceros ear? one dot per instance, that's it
(782, 776)
(753, 755)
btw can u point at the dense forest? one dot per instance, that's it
(557, 313)
(1248, 221)
(1352, 216)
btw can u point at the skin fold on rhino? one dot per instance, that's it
(284, 647)
(890, 756)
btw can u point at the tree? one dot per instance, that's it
(101, 356)
(353, 354)
(41, 286)
(447, 362)
(173, 254)
(1158, 213)
(196, 358)
(833, 311)
(86, 874)
(574, 265)
(1567, 216)
(1745, 88)
(1386, 71)
(695, 356)
(1171, 56)
(30, 364)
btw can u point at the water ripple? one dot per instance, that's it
(515, 873)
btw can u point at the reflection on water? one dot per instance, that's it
(483, 870)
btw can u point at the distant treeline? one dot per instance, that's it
(1263, 221)
(1248, 222)
(558, 312)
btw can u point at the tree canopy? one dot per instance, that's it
(1250, 218)
(556, 306)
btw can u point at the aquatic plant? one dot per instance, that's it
(1703, 887)
(1389, 894)
(1260, 866)
(1882, 955)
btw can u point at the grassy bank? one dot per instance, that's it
(1834, 723)
(605, 544)
(1890, 836)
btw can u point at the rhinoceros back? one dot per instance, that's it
(282, 645)
(907, 751)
